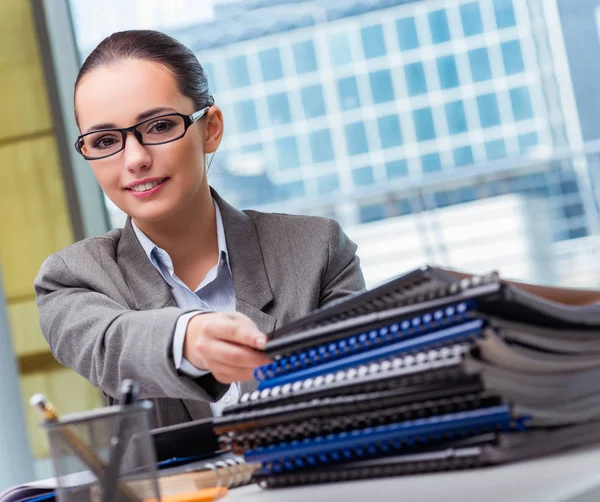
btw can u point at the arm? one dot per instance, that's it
(343, 274)
(106, 342)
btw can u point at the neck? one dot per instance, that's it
(190, 235)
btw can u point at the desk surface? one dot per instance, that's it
(571, 477)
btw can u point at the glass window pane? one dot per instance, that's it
(321, 147)
(381, 86)
(407, 34)
(513, 57)
(431, 162)
(424, 126)
(415, 79)
(339, 49)
(348, 93)
(463, 156)
(372, 212)
(279, 108)
(210, 76)
(287, 153)
(480, 65)
(521, 103)
(471, 19)
(455, 115)
(438, 24)
(528, 141)
(373, 41)
(356, 138)
(363, 176)
(312, 101)
(270, 64)
(396, 169)
(505, 13)
(237, 72)
(489, 114)
(328, 183)
(291, 190)
(389, 131)
(495, 149)
(305, 56)
(447, 71)
(245, 116)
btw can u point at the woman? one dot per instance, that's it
(181, 298)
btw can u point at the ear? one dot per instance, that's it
(214, 129)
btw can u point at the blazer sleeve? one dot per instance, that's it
(343, 274)
(106, 342)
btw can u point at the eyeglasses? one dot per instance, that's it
(154, 131)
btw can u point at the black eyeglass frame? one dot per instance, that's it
(188, 120)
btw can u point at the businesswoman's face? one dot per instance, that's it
(150, 183)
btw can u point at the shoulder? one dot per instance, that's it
(294, 226)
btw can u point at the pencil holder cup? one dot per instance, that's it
(104, 455)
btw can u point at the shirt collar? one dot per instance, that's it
(151, 249)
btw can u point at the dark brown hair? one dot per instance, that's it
(157, 47)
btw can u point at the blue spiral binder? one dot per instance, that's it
(428, 322)
(373, 441)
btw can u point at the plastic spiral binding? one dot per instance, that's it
(372, 441)
(428, 322)
(442, 363)
(456, 334)
(238, 472)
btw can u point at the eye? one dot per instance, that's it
(104, 142)
(160, 126)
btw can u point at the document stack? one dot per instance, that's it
(430, 371)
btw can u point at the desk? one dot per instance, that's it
(571, 477)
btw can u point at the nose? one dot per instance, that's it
(136, 155)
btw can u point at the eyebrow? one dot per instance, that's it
(142, 116)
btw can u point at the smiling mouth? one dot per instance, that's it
(145, 187)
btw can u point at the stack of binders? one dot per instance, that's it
(426, 372)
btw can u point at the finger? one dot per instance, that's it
(236, 331)
(235, 356)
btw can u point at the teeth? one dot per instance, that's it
(145, 186)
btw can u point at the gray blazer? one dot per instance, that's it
(106, 312)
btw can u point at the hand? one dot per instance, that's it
(225, 343)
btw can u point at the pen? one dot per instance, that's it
(128, 395)
(49, 414)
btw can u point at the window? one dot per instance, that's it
(505, 14)
(495, 149)
(471, 19)
(356, 138)
(210, 76)
(381, 86)
(447, 72)
(372, 212)
(415, 79)
(431, 162)
(373, 41)
(480, 65)
(245, 116)
(339, 49)
(287, 153)
(396, 169)
(463, 156)
(407, 34)
(312, 101)
(291, 190)
(389, 131)
(348, 93)
(237, 72)
(455, 115)
(270, 64)
(438, 24)
(320, 146)
(528, 141)
(521, 103)
(512, 57)
(424, 127)
(279, 108)
(489, 114)
(328, 183)
(305, 56)
(363, 176)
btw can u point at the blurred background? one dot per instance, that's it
(462, 133)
